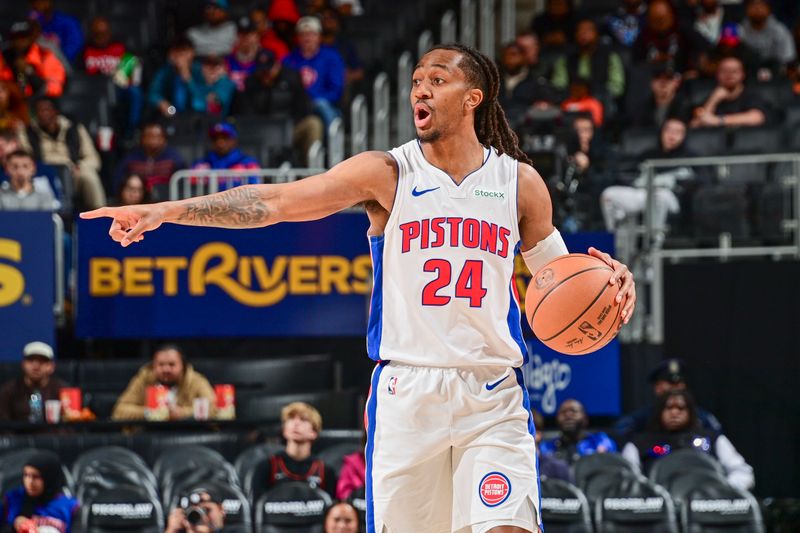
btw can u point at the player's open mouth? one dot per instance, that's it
(422, 116)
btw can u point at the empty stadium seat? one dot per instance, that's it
(720, 209)
(108, 375)
(191, 464)
(589, 465)
(100, 477)
(272, 135)
(178, 458)
(238, 513)
(635, 141)
(338, 409)
(291, 507)
(634, 504)
(304, 373)
(564, 508)
(681, 461)
(115, 455)
(101, 403)
(125, 508)
(758, 140)
(707, 141)
(707, 503)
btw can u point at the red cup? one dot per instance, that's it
(155, 407)
(71, 402)
(226, 401)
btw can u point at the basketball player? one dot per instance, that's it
(450, 442)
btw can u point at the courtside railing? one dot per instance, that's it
(189, 183)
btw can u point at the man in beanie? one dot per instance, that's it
(39, 504)
(38, 365)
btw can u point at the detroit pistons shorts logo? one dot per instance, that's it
(392, 385)
(494, 489)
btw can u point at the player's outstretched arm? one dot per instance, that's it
(536, 225)
(367, 176)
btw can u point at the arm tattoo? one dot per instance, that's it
(241, 207)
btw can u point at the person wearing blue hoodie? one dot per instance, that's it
(321, 68)
(64, 30)
(225, 154)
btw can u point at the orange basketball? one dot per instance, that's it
(570, 304)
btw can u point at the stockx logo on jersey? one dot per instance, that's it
(491, 195)
(455, 232)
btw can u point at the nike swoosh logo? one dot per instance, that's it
(491, 386)
(415, 192)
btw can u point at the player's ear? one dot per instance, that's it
(473, 98)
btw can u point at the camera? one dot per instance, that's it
(195, 515)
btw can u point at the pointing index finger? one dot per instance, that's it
(98, 213)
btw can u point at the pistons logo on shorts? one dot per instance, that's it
(494, 489)
(393, 385)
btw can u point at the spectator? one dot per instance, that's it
(709, 21)
(549, 465)
(153, 160)
(300, 427)
(348, 8)
(620, 202)
(49, 45)
(661, 102)
(580, 100)
(556, 25)
(341, 517)
(169, 369)
(212, 92)
(107, 57)
(275, 90)
(133, 191)
(284, 16)
(62, 29)
(593, 61)
(225, 154)
(770, 40)
(528, 43)
(19, 193)
(353, 472)
(204, 504)
(247, 55)
(731, 103)
(45, 178)
(170, 91)
(321, 69)
(34, 386)
(39, 505)
(520, 88)
(333, 37)
(36, 70)
(56, 140)
(13, 111)
(667, 376)
(626, 22)
(661, 41)
(268, 38)
(574, 440)
(675, 426)
(217, 35)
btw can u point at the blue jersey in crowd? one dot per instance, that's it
(322, 75)
(591, 443)
(57, 513)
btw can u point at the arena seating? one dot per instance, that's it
(682, 461)
(564, 507)
(291, 507)
(634, 504)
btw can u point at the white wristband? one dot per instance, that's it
(545, 251)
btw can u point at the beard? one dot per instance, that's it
(429, 136)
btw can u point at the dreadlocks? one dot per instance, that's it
(491, 125)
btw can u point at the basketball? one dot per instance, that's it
(570, 304)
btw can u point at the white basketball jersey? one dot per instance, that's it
(443, 294)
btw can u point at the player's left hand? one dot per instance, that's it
(621, 272)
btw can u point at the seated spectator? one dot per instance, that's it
(590, 159)
(19, 192)
(267, 37)
(36, 380)
(352, 475)
(247, 55)
(107, 57)
(574, 441)
(273, 87)
(661, 41)
(283, 14)
(212, 92)
(549, 465)
(45, 177)
(732, 103)
(675, 426)
(622, 202)
(709, 20)
(661, 102)
(51, 46)
(153, 160)
(169, 369)
(321, 69)
(300, 427)
(205, 507)
(217, 35)
(592, 61)
(519, 87)
(556, 26)
(56, 140)
(39, 505)
(668, 375)
(770, 40)
(62, 29)
(132, 191)
(624, 24)
(169, 90)
(13, 111)
(225, 154)
(528, 43)
(341, 517)
(333, 37)
(580, 100)
(36, 70)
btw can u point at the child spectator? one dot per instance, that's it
(19, 193)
